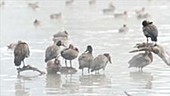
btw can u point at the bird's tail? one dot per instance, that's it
(17, 61)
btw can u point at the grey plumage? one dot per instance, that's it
(52, 51)
(86, 59)
(100, 62)
(141, 60)
(21, 52)
(53, 66)
(150, 30)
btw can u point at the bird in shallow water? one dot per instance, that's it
(150, 31)
(21, 52)
(100, 62)
(61, 36)
(123, 29)
(53, 66)
(141, 60)
(86, 59)
(69, 54)
(53, 51)
(157, 49)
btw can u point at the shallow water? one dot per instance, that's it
(86, 25)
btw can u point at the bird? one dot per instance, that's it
(143, 15)
(53, 66)
(56, 16)
(53, 51)
(86, 59)
(13, 45)
(109, 10)
(37, 22)
(156, 49)
(69, 2)
(150, 30)
(123, 29)
(61, 36)
(141, 60)
(142, 10)
(21, 52)
(121, 15)
(70, 54)
(34, 6)
(100, 62)
(92, 2)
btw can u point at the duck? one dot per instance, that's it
(69, 2)
(53, 66)
(53, 51)
(100, 62)
(86, 59)
(92, 2)
(34, 6)
(37, 22)
(123, 29)
(121, 15)
(56, 16)
(61, 36)
(21, 52)
(109, 10)
(70, 53)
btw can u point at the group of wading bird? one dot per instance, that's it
(86, 59)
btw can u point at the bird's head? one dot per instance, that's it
(89, 49)
(108, 56)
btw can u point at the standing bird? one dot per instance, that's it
(86, 59)
(150, 30)
(53, 51)
(21, 52)
(61, 36)
(141, 60)
(100, 62)
(123, 29)
(69, 54)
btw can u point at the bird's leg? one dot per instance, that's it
(70, 64)
(23, 63)
(147, 42)
(66, 62)
(88, 70)
(82, 71)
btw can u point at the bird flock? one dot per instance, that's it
(69, 52)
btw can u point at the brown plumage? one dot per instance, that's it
(53, 66)
(21, 52)
(69, 54)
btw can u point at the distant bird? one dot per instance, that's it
(157, 49)
(109, 10)
(143, 15)
(69, 54)
(123, 29)
(2, 3)
(100, 62)
(61, 36)
(56, 16)
(37, 22)
(141, 60)
(121, 15)
(92, 2)
(21, 52)
(53, 51)
(13, 45)
(86, 59)
(34, 6)
(53, 66)
(69, 2)
(150, 30)
(140, 11)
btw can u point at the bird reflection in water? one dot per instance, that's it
(20, 88)
(53, 83)
(94, 80)
(142, 76)
(70, 84)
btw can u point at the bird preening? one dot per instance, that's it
(21, 52)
